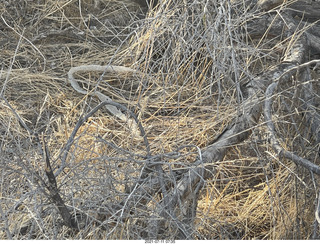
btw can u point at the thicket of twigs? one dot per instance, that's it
(194, 57)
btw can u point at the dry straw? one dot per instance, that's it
(192, 57)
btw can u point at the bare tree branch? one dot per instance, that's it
(275, 142)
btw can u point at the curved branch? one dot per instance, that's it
(237, 131)
(275, 142)
(85, 118)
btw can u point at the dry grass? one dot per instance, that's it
(186, 97)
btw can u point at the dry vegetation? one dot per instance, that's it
(195, 58)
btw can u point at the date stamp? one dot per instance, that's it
(159, 241)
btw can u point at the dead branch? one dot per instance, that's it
(275, 142)
(236, 132)
(54, 193)
(148, 190)
(317, 212)
(85, 118)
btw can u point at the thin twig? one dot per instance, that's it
(83, 119)
(5, 221)
(21, 36)
(54, 191)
